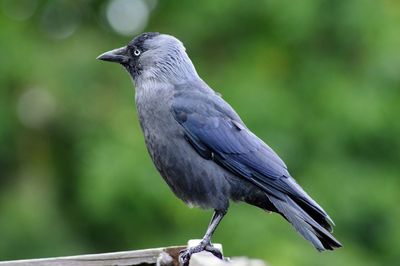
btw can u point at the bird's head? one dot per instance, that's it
(153, 56)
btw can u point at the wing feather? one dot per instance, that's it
(216, 132)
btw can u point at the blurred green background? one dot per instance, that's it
(317, 80)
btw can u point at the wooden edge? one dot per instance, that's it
(135, 257)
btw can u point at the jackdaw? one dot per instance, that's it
(203, 149)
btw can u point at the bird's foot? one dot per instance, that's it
(184, 255)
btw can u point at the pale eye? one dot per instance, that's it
(136, 52)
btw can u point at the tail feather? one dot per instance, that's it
(312, 227)
(310, 206)
(287, 186)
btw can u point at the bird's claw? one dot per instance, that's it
(216, 252)
(184, 255)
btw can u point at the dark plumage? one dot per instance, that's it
(203, 149)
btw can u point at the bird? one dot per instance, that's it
(203, 149)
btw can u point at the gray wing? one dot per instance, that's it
(217, 133)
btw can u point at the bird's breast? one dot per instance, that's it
(195, 180)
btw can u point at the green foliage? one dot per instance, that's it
(317, 80)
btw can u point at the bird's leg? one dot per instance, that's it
(215, 220)
(205, 243)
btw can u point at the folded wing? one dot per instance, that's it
(217, 133)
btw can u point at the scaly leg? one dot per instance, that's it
(205, 244)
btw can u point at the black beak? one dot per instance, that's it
(119, 55)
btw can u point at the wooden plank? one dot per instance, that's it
(157, 256)
(166, 256)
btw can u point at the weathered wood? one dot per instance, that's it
(164, 256)
(157, 256)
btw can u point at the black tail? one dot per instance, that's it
(308, 219)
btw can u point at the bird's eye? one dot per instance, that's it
(136, 52)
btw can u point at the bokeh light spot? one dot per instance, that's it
(127, 17)
(36, 107)
(19, 9)
(60, 19)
